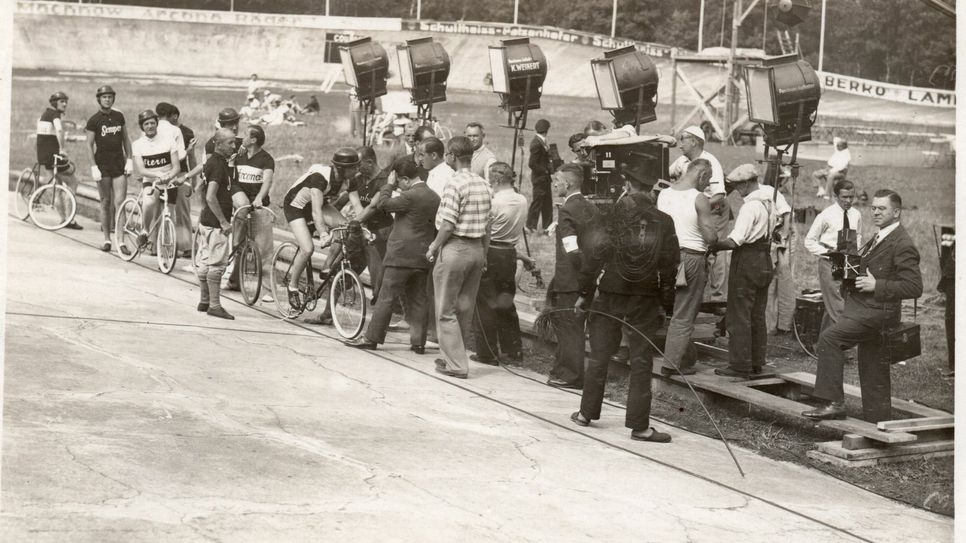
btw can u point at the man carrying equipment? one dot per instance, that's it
(109, 150)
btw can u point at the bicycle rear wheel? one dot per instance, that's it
(280, 275)
(167, 245)
(250, 272)
(26, 185)
(348, 303)
(52, 206)
(127, 229)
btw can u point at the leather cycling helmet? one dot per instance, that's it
(228, 116)
(105, 89)
(345, 157)
(57, 96)
(145, 115)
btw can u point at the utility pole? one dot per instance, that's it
(701, 28)
(821, 40)
(729, 89)
(419, 9)
(516, 11)
(613, 21)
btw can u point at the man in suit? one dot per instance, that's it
(405, 266)
(574, 219)
(891, 264)
(541, 202)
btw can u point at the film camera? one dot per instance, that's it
(641, 157)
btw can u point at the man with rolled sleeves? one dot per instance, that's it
(890, 262)
(750, 274)
(574, 219)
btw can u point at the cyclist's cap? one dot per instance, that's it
(145, 115)
(345, 156)
(57, 96)
(105, 89)
(228, 116)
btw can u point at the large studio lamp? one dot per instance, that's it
(424, 68)
(518, 69)
(626, 81)
(783, 95)
(366, 68)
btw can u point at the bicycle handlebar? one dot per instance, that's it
(366, 233)
(249, 206)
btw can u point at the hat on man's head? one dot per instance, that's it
(542, 126)
(745, 172)
(694, 131)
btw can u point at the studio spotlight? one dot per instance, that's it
(424, 68)
(366, 68)
(626, 81)
(518, 70)
(783, 95)
(791, 12)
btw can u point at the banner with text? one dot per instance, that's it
(887, 91)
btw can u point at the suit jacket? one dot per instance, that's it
(894, 263)
(414, 227)
(540, 166)
(574, 218)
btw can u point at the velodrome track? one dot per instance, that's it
(128, 416)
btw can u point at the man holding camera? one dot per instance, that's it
(891, 264)
(631, 264)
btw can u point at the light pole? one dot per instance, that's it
(821, 40)
(516, 11)
(701, 28)
(613, 21)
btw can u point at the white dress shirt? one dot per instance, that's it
(439, 177)
(754, 220)
(823, 235)
(881, 234)
(840, 160)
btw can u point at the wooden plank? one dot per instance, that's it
(808, 379)
(841, 462)
(724, 387)
(912, 425)
(852, 442)
(836, 449)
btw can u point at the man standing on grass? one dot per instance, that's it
(459, 252)
(483, 157)
(213, 225)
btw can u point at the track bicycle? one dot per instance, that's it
(346, 297)
(131, 237)
(49, 204)
(245, 254)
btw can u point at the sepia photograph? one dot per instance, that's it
(509, 271)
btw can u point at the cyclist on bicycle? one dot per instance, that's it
(51, 143)
(155, 159)
(254, 168)
(109, 149)
(308, 209)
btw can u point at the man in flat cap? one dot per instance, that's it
(750, 274)
(541, 166)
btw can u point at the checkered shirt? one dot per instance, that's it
(465, 204)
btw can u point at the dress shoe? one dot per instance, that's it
(74, 226)
(560, 383)
(487, 361)
(831, 411)
(220, 313)
(441, 368)
(202, 306)
(363, 344)
(670, 372)
(418, 349)
(579, 419)
(651, 435)
(728, 372)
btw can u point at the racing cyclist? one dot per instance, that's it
(51, 144)
(109, 150)
(155, 158)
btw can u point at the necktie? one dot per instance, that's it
(871, 245)
(845, 222)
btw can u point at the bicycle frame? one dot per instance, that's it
(343, 264)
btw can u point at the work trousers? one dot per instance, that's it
(569, 329)
(375, 253)
(874, 376)
(541, 203)
(719, 263)
(748, 280)
(831, 294)
(781, 292)
(497, 327)
(643, 313)
(182, 217)
(456, 280)
(678, 349)
(410, 284)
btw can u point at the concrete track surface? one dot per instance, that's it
(128, 416)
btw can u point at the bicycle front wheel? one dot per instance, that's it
(348, 303)
(250, 272)
(167, 245)
(26, 185)
(127, 229)
(280, 275)
(52, 207)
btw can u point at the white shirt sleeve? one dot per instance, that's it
(678, 167)
(717, 183)
(781, 205)
(745, 222)
(814, 233)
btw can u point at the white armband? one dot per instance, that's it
(570, 244)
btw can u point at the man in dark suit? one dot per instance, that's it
(405, 266)
(891, 265)
(574, 219)
(541, 166)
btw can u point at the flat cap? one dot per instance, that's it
(745, 172)
(542, 126)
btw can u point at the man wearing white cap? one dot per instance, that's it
(691, 142)
(838, 167)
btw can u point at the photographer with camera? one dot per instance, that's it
(891, 265)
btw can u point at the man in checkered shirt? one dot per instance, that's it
(459, 252)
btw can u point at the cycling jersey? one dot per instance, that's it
(216, 170)
(298, 200)
(108, 130)
(47, 144)
(250, 172)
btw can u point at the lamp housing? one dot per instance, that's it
(424, 68)
(777, 91)
(791, 12)
(518, 69)
(626, 81)
(366, 67)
